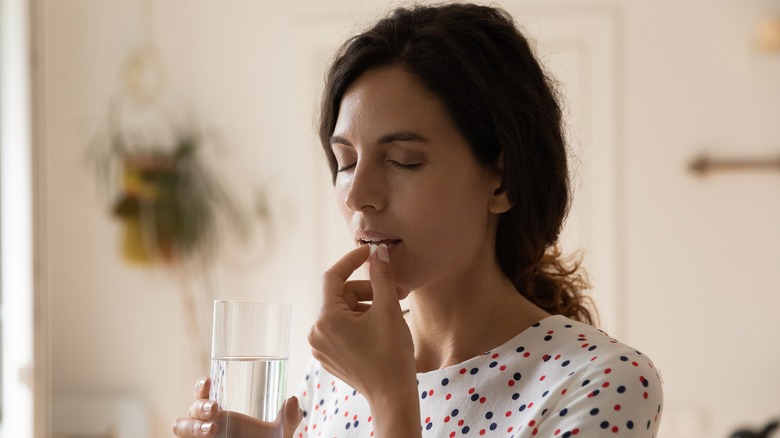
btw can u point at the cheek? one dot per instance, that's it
(340, 191)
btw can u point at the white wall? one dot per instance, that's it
(699, 256)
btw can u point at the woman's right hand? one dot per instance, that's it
(206, 420)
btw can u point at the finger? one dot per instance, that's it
(204, 409)
(202, 387)
(188, 428)
(334, 278)
(380, 273)
(356, 291)
(292, 416)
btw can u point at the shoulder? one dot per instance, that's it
(609, 386)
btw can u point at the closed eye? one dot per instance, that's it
(405, 166)
(346, 168)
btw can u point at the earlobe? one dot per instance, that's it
(499, 202)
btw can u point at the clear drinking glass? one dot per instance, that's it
(249, 357)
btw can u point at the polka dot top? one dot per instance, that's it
(558, 378)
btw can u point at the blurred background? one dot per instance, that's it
(673, 119)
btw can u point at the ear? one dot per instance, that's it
(499, 200)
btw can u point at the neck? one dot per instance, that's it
(456, 319)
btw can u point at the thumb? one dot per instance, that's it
(382, 278)
(291, 416)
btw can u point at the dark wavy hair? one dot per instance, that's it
(476, 61)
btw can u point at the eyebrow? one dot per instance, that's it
(385, 139)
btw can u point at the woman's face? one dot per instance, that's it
(407, 178)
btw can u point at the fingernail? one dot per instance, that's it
(208, 406)
(371, 249)
(205, 427)
(382, 253)
(201, 382)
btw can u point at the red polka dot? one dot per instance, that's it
(531, 423)
(430, 392)
(508, 413)
(463, 371)
(447, 419)
(542, 378)
(575, 431)
(449, 396)
(557, 431)
(551, 332)
(460, 423)
(605, 385)
(530, 405)
(617, 407)
(482, 432)
(645, 395)
(452, 434)
(535, 431)
(471, 391)
(593, 358)
(557, 357)
(526, 354)
(615, 429)
(634, 364)
(482, 399)
(585, 345)
(371, 417)
(427, 420)
(510, 429)
(608, 370)
(502, 368)
(564, 392)
(495, 355)
(511, 383)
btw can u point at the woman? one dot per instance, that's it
(445, 141)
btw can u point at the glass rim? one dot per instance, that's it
(253, 303)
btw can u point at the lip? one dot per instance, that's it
(363, 237)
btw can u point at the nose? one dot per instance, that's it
(365, 190)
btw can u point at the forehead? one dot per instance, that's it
(389, 99)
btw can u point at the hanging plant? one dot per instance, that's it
(171, 206)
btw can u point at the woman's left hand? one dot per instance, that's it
(369, 346)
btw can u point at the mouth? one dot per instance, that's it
(388, 242)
